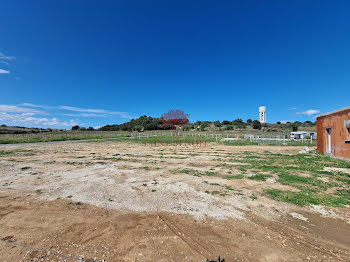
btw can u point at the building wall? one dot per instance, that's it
(338, 122)
(262, 114)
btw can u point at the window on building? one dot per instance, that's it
(347, 127)
(347, 140)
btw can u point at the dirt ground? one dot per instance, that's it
(118, 201)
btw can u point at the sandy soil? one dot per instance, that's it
(126, 202)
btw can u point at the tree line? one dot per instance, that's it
(147, 123)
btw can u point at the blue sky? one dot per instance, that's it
(103, 62)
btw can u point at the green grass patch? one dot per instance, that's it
(60, 136)
(240, 176)
(195, 172)
(21, 151)
(4, 153)
(238, 143)
(260, 177)
(307, 198)
(213, 192)
(209, 173)
(253, 197)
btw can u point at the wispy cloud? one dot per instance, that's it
(4, 72)
(4, 59)
(37, 106)
(32, 114)
(95, 111)
(85, 115)
(29, 119)
(19, 109)
(309, 112)
(293, 108)
(82, 112)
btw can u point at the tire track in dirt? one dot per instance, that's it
(190, 241)
(300, 238)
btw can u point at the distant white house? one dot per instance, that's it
(302, 135)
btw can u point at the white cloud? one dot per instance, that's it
(32, 105)
(82, 112)
(77, 109)
(5, 58)
(293, 108)
(85, 115)
(309, 112)
(96, 111)
(18, 109)
(4, 72)
(28, 119)
(31, 114)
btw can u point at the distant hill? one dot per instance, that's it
(21, 130)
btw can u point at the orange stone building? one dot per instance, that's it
(333, 133)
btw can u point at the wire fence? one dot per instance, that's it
(221, 136)
(272, 140)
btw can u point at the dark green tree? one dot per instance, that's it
(256, 124)
(238, 123)
(204, 125)
(294, 127)
(138, 128)
(217, 123)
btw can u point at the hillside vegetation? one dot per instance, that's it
(144, 123)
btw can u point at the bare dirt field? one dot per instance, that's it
(118, 201)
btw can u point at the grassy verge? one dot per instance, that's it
(166, 140)
(35, 138)
(305, 173)
(247, 142)
(239, 143)
(309, 198)
(154, 140)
